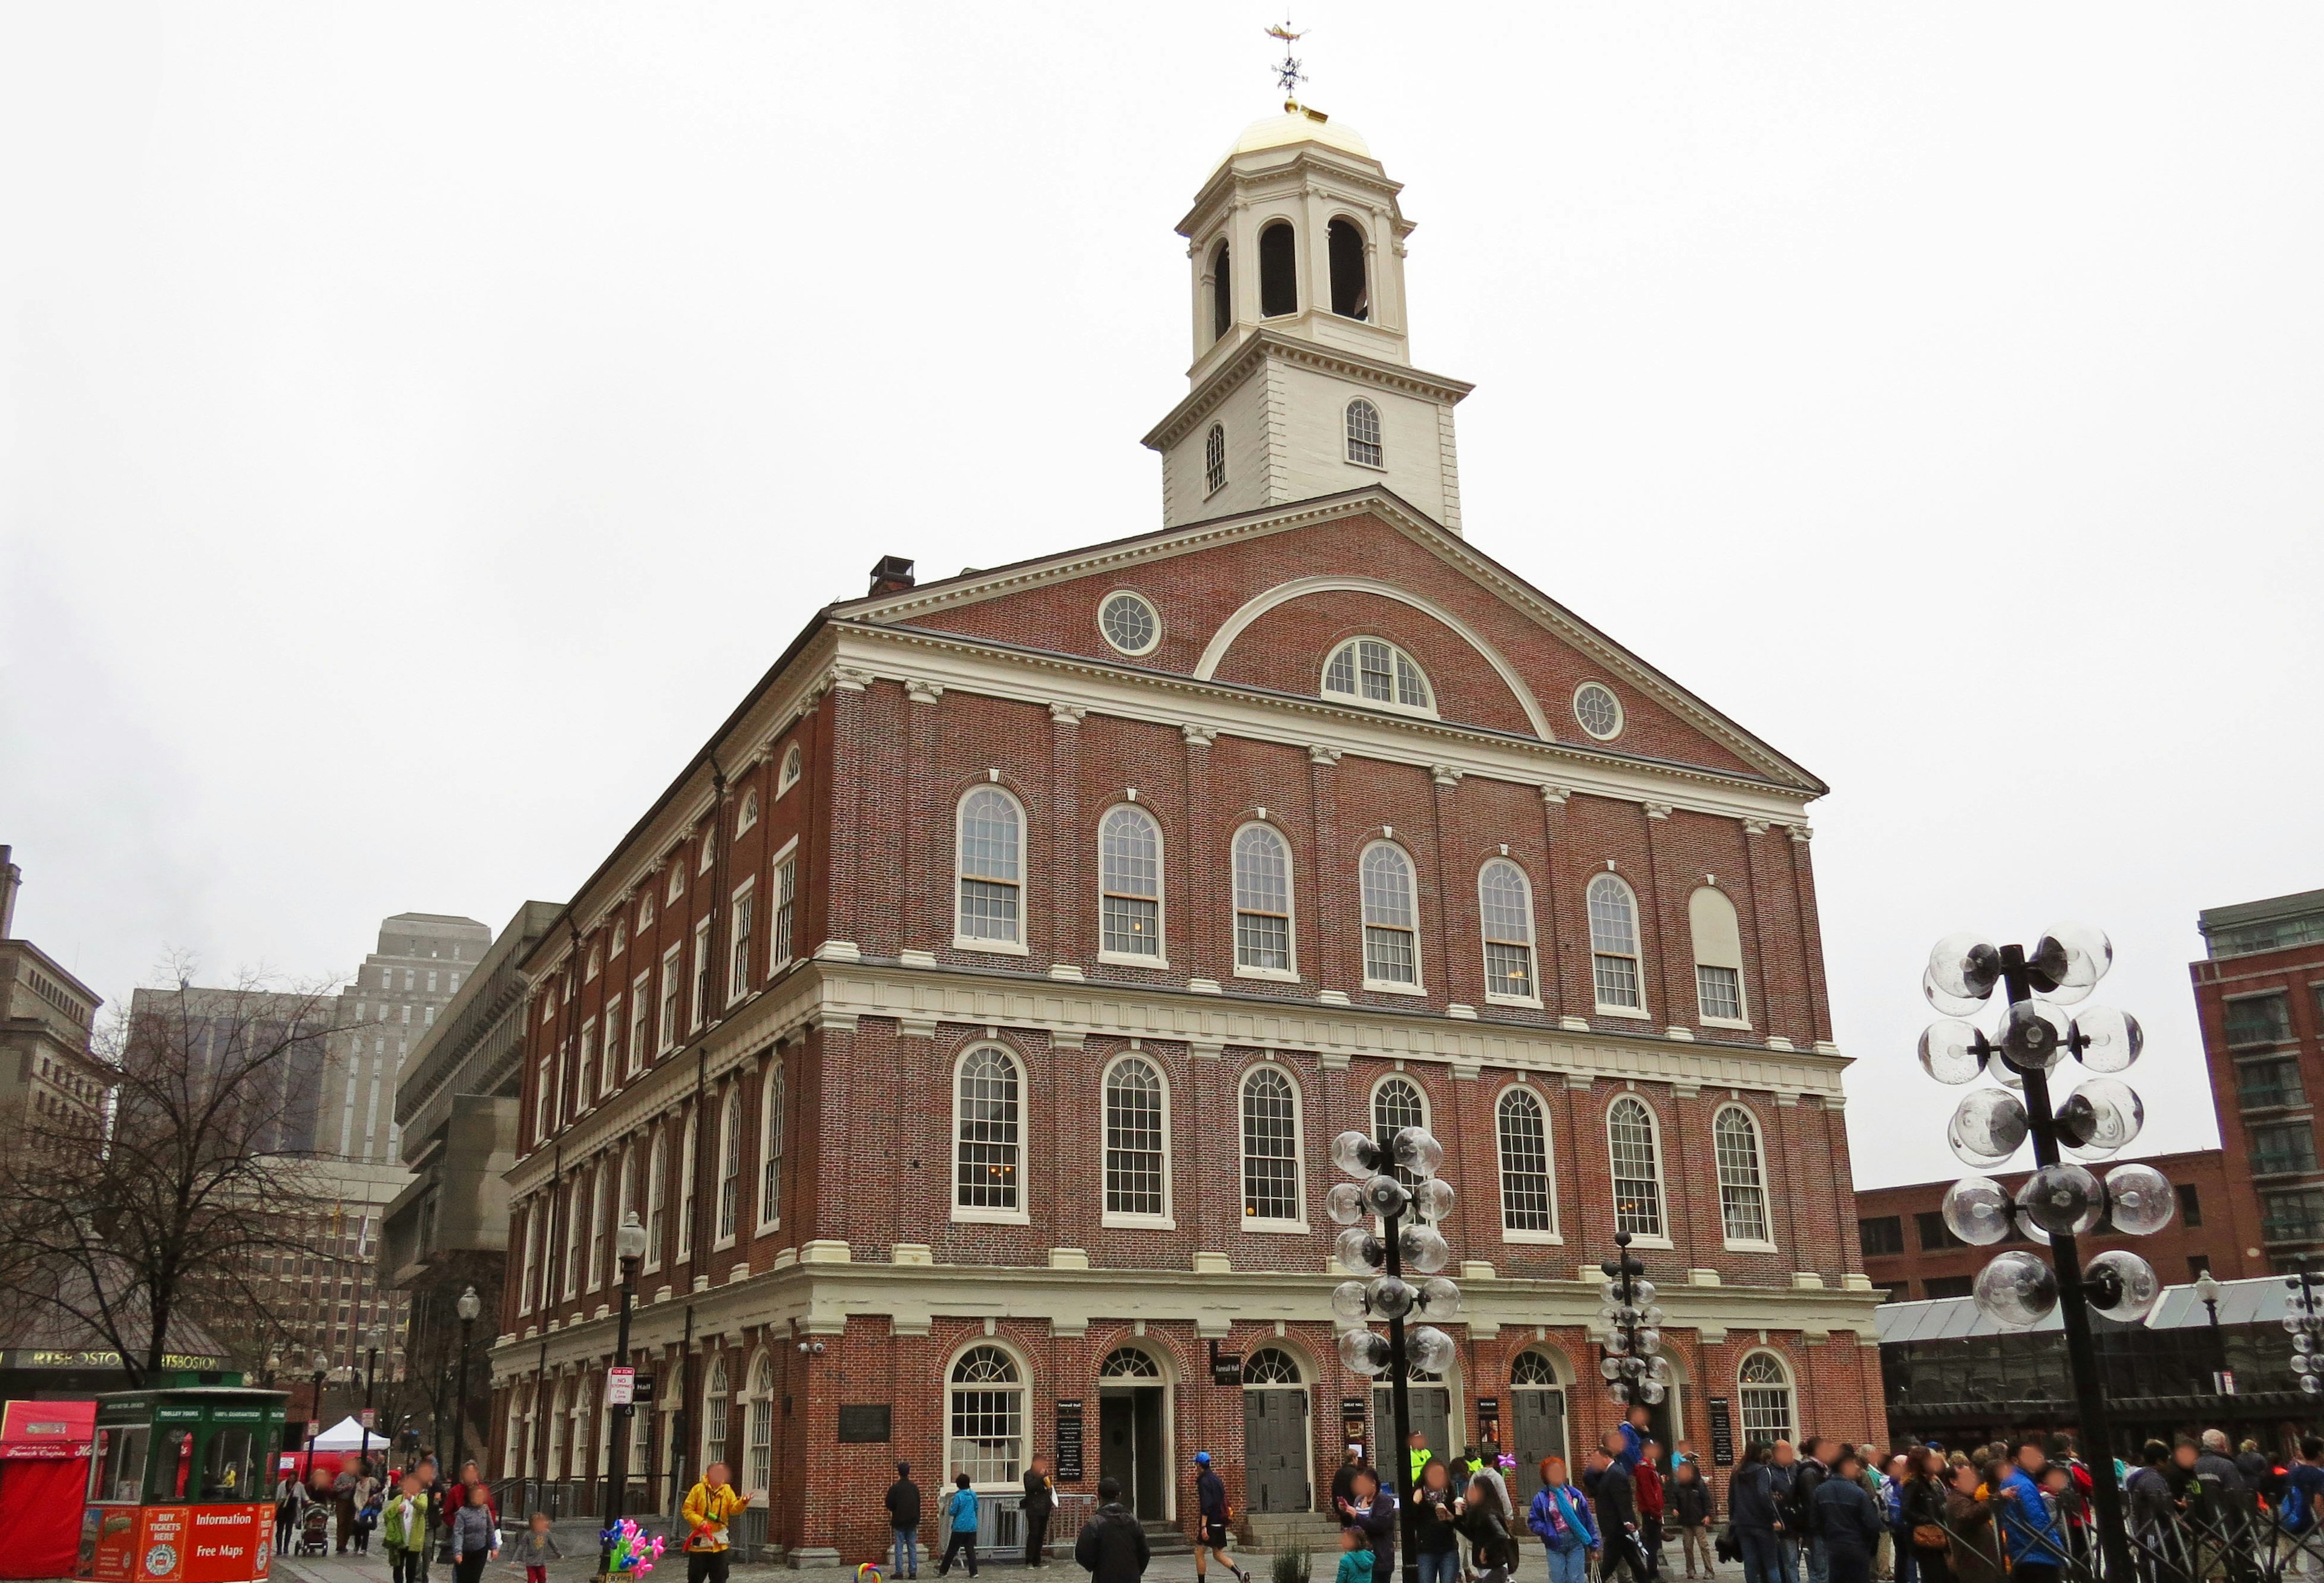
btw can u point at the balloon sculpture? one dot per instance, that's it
(869, 1572)
(629, 1549)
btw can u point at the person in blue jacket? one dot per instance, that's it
(959, 1526)
(1561, 1518)
(1844, 1516)
(2036, 1550)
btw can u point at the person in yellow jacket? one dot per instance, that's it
(709, 1506)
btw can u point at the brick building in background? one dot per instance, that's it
(2260, 993)
(968, 1021)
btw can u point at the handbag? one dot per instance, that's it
(1929, 1536)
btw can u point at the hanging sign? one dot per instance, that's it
(1069, 1441)
(1722, 1433)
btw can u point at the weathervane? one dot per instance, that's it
(1287, 75)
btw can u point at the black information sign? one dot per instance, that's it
(641, 1388)
(1352, 1413)
(1722, 1434)
(864, 1423)
(1226, 1368)
(1489, 1419)
(1069, 1442)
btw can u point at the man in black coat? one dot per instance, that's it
(904, 1519)
(1607, 1482)
(1040, 1501)
(1112, 1546)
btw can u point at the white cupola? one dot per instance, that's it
(1303, 384)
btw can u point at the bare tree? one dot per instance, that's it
(156, 1212)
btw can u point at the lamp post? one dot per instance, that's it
(2304, 1318)
(1384, 1258)
(1632, 1340)
(372, 1343)
(628, 1247)
(315, 1414)
(2061, 1198)
(2207, 1288)
(468, 1307)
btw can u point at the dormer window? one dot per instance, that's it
(1364, 434)
(1278, 271)
(1221, 294)
(1351, 295)
(1368, 671)
(1215, 459)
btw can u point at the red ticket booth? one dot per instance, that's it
(179, 1485)
(43, 1470)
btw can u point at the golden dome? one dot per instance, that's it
(1298, 125)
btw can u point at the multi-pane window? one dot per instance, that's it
(2292, 1216)
(1718, 955)
(1396, 1104)
(794, 765)
(657, 1191)
(1134, 1143)
(759, 1445)
(544, 1113)
(1742, 1191)
(1129, 883)
(988, 1132)
(991, 872)
(730, 1166)
(717, 1396)
(612, 1067)
(2259, 1019)
(1637, 1168)
(1270, 1147)
(1369, 671)
(738, 951)
(986, 1417)
(640, 1011)
(779, 951)
(576, 1221)
(1765, 1385)
(1880, 1235)
(2287, 1145)
(581, 1072)
(2263, 1085)
(1215, 460)
(685, 1175)
(1719, 991)
(1392, 931)
(1262, 900)
(770, 1148)
(531, 1257)
(597, 1228)
(1526, 1201)
(701, 972)
(673, 976)
(1505, 901)
(1614, 944)
(1364, 433)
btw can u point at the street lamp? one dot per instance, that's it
(628, 1247)
(2304, 1318)
(315, 1414)
(1387, 1293)
(1634, 1367)
(374, 1341)
(468, 1307)
(2061, 1198)
(2206, 1289)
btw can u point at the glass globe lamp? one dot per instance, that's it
(1433, 1198)
(1364, 1352)
(2107, 1040)
(1950, 1005)
(1976, 1211)
(1351, 1300)
(1345, 1203)
(1965, 965)
(1429, 1348)
(2103, 1113)
(1440, 1296)
(2064, 1199)
(2073, 957)
(1353, 1153)
(2017, 1290)
(1385, 1196)
(1424, 1249)
(1987, 1127)
(1952, 1051)
(2141, 1199)
(1652, 1392)
(1391, 1297)
(2121, 1286)
(1418, 1152)
(1359, 1250)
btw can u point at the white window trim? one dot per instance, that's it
(1532, 930)
(1167, 1219)
(689, 1135)
(746, 817)
(1574, 708)
(1023, 1215)
(1642, 1012)
(1152, 610)
(1418, 987)
(1662, 1170)
(1554, 1236)
(607, 1079)
(1275, 1228)
(961, 942)
(656, 1187)
(594, 1261)
(1161, 957)
(701, 982)
(1766, 1206)
(769, 1139)
(1022, 1385)
(639, 1052)
(1346, 441)
(746, 891)
(584, 1100)
(1226, 477)
(1284, 975)
(777, 965)
(668, 1033)
(793, 770)
(720, 1241)
(1357, 700)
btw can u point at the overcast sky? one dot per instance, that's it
(419, 424)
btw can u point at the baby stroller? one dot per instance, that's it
(314, 1530)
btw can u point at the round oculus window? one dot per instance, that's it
(1597, 710)
(1130, 623)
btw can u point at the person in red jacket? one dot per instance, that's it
(1648, 1484)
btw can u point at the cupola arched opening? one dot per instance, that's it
(1278, 271)
(1351, 296)
(1221, 293)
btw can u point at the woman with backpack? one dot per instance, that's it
(1561, 1518)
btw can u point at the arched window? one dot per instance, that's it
(1614, 945)
(1351, 295)
(986, 1417)
(1637, 1168)
(750, 813)
(1215, 459)
(1128, 1363)
(987, 1182)
(1718, 956)
(716, 1401)
(1533, 1370)
(1764, 1384)
(1363, 426)
(730, 1164)
(585, 1401)
(770, 1148)
(1368, 671)
(991, 869)
(524, 1291)
(1278, 271)
(625, 1192)
(1221, 295)
(1742, 1192)
(656, 1192)
(1137, 1141)
(1262, 901)
(1130, 884)
(686, 1176)
(758, 1445)
(1272, 1365)
(597, 1186)
(1528, 1201)
(794, 765)
(1398, 1103)
(1391, 919)
(577, 1215)
(1505, 902)
(1272, 1192)
(560, 1407)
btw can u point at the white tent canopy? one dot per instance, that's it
(348, 1435)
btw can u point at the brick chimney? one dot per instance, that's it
(893, 574)
(12, 880)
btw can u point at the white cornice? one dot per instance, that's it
(1265, 343)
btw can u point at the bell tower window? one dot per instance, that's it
(1364, 433)
(1278, 271)
(1214, 458)
(1351, 295)
(1221, 294)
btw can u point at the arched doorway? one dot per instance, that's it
(1537, 1419)
(1429, 1402)
(1276, 1434)
(1133, 1429)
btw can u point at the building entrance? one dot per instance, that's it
(1133, 1437)
(1274, 1434)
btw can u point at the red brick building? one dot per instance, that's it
(2260, 993)
(968, 1021)
(1910, 1253)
